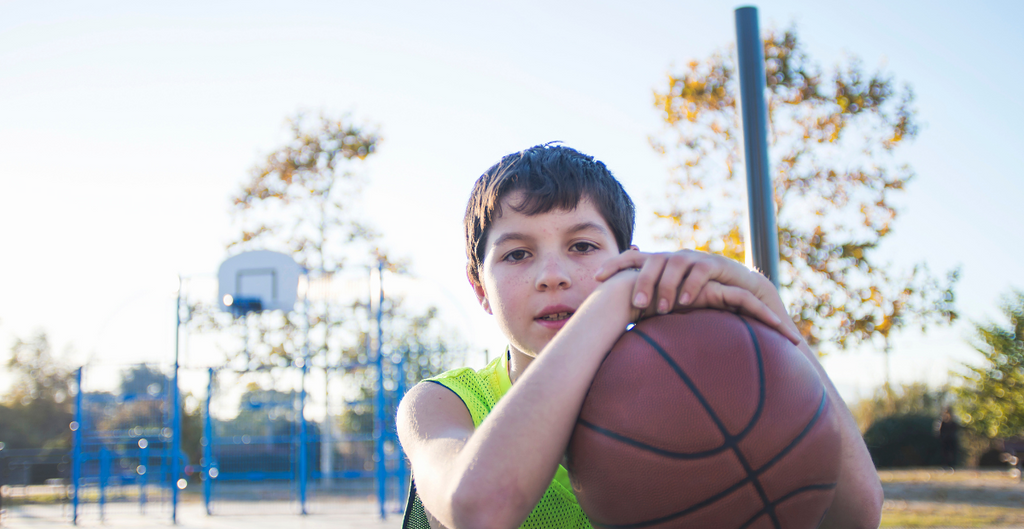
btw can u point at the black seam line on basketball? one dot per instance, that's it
(760, 405)
(693, 508)
(769, 507)
(761, 396)
(765, 502)
(643, 446)
(801, 490)
(751, 474)
(801, 435)
(729, 440)
(735, 486)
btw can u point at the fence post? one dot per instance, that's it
(144, 463)
(176, 410)
(76, 447)
(379, 415)
(303, 437)
(303, 440)
(104, 471)
(399, 393)
(208, 447)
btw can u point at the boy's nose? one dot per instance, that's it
(553, 274)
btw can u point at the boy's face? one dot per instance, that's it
(537, 270)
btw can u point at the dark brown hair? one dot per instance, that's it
(550, 177)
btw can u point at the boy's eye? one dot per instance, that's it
(583, 247)
(516, 255)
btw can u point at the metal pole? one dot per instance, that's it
(303, 441)
(104, 472)
(764, 235)
(144, 463)
(379, 419)
(77, 451)
(176, 407)
(208, 466)
(399, 393)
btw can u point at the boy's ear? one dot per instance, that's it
(634, 247)
(481, 295)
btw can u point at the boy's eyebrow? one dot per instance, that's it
(511, 236)
(516, 236)
(583, 226)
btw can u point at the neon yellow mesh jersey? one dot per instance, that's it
(480, 391)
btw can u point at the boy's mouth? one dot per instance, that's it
(558, 316)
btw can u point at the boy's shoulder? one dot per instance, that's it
(480, 389)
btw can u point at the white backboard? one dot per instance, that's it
(258, 280)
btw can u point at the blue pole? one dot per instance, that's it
(303, 436)
(76, 449)
(104, 470)
(144, 463)
(208, 447)
(176, 406)
(379, 415)
(764, 235)
(400, 392)
(303, 441)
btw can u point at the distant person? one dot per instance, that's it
(948, 438)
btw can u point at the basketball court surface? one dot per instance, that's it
(354, 515)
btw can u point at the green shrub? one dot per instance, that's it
(905, 440)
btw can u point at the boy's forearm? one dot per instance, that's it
(508, 462)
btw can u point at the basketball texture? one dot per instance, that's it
(706, 419)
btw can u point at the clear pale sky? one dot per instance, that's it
(124, 129)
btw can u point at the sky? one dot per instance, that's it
(125, 128)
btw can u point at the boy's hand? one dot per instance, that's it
(689, 279)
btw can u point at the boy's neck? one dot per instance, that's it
(517, 363)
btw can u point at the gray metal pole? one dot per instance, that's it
(764, 235)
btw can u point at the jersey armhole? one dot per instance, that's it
(469, 411)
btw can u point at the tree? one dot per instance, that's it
(832, 143)
(908, 399)
(418, 345)
(301, 199)
(991, 399)
(142, 379)
(40, 405)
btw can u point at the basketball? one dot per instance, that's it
(705, 419)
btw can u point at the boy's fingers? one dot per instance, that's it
(745, 302)
(649, 276)
(699, 274)
(627, 259)
(672, 276)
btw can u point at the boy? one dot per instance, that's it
(548, 234)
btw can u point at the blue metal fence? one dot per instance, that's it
(124, 448)
(260, 445)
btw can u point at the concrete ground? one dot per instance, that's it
(349, 515)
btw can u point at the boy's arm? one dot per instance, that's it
(494, 476)
(858, 498)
